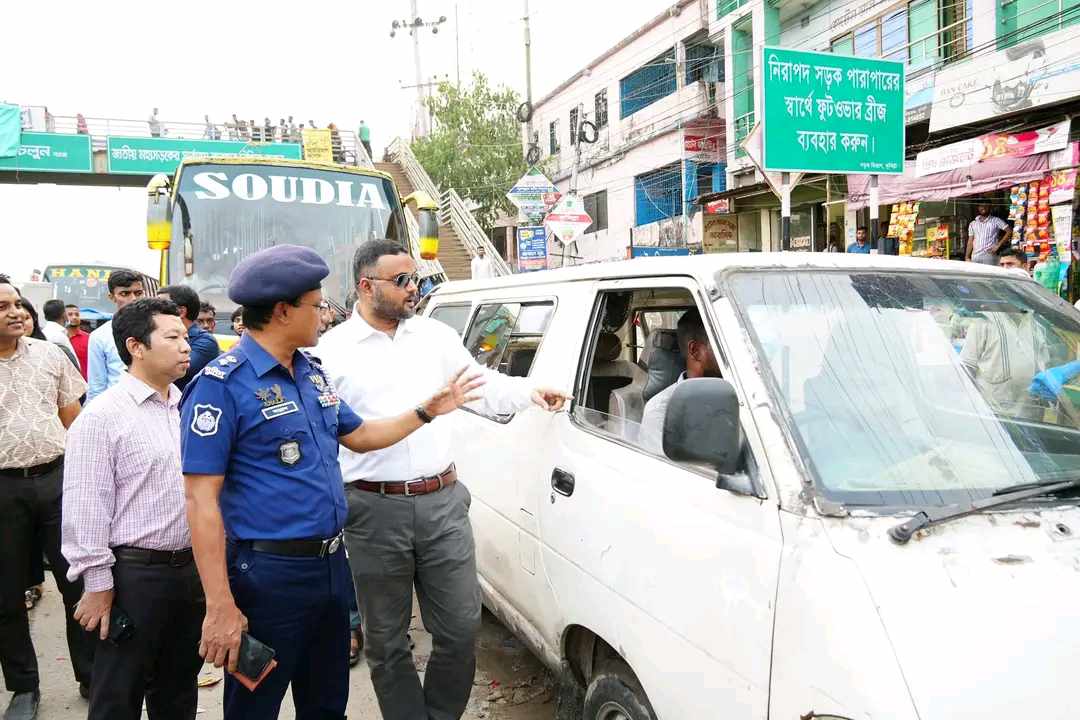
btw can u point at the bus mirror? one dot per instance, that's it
(428, 220)
(429, 234)
(158, 213)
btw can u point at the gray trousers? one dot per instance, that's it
(984, 258)
(394, 543)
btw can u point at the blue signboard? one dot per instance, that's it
(640, 251)
(532, 248)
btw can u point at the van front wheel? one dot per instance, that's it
(614, 693)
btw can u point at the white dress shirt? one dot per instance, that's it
(381, 377)
(481, 268)
(55, 333)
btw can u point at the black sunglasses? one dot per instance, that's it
(402, 280)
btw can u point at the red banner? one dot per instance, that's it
(1023, 144)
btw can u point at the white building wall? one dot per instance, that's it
(618, 179)
(646, 140)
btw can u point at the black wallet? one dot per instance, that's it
(255, 662)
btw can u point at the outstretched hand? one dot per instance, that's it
(550, 400)
(459, 391)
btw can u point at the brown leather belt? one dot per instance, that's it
(408, 488)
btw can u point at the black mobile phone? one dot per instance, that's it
(121, 626)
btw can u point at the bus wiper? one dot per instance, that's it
(935, 516)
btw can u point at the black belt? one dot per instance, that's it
(34, 471)
(297, 548)
(172, 558)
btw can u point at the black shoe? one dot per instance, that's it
(84, 690)
(23, 706)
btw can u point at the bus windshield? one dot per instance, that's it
(84, 285)
(226, 212)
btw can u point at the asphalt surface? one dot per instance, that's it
(510, 683)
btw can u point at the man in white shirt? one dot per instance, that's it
(408, 516)
(481, 265)
(700, 362)
(55, 316)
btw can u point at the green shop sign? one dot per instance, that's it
(832, 113)
(50, 152)
(146, 156)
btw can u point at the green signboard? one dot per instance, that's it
(832, 113)
(50, 152)
(146, 156)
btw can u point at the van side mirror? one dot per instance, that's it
(702, 425)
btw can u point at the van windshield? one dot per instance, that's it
(918, 388)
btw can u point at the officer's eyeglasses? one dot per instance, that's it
(402, 280)
(324, 305)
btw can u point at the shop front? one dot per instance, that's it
(929, 213)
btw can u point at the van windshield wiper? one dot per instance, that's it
(935, 516)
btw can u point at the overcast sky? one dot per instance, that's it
(327, 61)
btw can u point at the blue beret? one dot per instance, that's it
(281, 272)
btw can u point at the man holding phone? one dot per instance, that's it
(260, 432)
(125, 531)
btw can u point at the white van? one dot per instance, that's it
(869, 514)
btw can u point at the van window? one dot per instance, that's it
(456, 316)
(633, 360)
(505, 336)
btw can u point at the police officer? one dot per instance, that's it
(260, 431)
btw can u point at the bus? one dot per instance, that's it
(87, 285)
(214, 212)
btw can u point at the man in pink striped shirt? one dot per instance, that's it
(124, 526)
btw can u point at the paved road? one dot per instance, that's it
(510, 683)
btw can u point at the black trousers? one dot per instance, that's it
(29, 522)
(160, 662)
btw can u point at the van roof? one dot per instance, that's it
(706, 266)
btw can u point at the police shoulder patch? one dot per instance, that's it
(205, 420)
(214, 372)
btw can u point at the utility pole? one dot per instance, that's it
(528, 74)
(422, 126)
(421, 115)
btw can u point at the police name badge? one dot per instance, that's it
(289, 452)
(279, 409)
(205, 420)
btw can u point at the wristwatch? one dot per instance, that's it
(423, 415)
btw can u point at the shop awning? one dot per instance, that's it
(979, 178)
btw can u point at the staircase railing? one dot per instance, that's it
(452, 209)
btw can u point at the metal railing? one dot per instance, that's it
(400, 152)
(351, 151)
(452, 209)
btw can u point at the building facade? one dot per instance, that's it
(655, 101)
(674, 102)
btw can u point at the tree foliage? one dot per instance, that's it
(475, 145)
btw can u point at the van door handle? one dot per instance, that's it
(562, 482)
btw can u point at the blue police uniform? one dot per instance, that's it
(274, 437)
